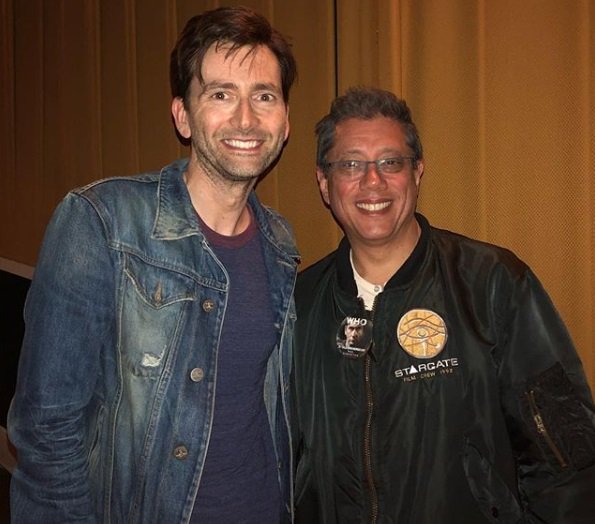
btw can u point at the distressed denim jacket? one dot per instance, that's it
(115, 395)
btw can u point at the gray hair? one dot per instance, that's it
(365, 103)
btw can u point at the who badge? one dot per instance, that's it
(422, 333)
(354, 336)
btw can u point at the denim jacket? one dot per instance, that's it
(115, 395)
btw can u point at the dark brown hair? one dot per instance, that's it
(233, 26)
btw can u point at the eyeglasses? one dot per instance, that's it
(355, 169)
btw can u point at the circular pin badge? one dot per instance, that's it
(354, 336)
(422, 333)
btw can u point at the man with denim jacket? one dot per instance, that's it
(464, 401)
(153, 379)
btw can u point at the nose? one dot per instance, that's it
(244, 115)
(372, 177)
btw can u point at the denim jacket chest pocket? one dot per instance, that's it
(153, 301)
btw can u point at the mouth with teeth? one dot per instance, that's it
(373, 207)
(243, 145)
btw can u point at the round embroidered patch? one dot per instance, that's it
(422, 333)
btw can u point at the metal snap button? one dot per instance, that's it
(197, 374)
(180, 452)
(208, 305)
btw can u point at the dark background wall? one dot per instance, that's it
(13, 290)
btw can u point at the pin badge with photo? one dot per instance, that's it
(354, 336)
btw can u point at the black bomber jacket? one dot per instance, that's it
(463, 402)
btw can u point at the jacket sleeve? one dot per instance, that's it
(549, 408)
(68, 316)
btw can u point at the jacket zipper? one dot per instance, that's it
(542, 430)
(367, 445)
(368, 432)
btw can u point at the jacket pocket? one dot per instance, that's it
(153, 302)
(558, 421)
(494, 498)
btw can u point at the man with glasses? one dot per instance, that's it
(468, 403)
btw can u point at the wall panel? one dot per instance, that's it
(502, 93)
(28, 203)
(368, 44)
(8, 177)
(442, 85)
(71, 130)
(155, 37)
(588, 60)
(537, 147)
(119, 101)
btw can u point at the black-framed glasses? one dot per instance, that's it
(355, 169)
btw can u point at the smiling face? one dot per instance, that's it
(236, 119)
(377, 209)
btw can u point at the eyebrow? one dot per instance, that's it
(385, 151)
(261, 86)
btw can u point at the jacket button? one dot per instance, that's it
(197, 374)
(180, 452)
(208, 305)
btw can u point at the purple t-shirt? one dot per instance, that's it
(240, 477)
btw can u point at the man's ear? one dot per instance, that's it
(323, 185)
(180, 116)
(287, 126)
(418, 173)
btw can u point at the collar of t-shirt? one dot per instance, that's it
(230, 242)
(365, 290)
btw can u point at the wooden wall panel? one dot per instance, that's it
(119, 100)
(185, 9)
(537, 148)
(368, 44)
(8, 175)
(71, 146)
(156, 33)
(588, 60)
(29, 205)
(442, 86)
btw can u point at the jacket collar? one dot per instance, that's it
(176, 218)
(405, 273)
